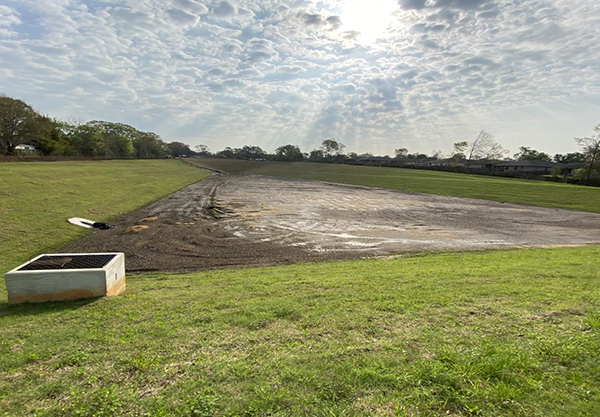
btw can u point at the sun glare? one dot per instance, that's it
(369, 17)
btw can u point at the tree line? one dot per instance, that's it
(20, 124)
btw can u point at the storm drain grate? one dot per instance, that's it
(68, 262)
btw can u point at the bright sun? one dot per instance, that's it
(369, 17)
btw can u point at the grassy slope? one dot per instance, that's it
(507, 332)
(36, 198)
(510, 190)
(499, 333)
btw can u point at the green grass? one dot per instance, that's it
(513, 332)
(510, 190)
(36, 199)
(492, 333)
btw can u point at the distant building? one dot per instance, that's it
(482, 164)
(527, 167)
(25, 149)
(441, 163)
(570, 168)
(487, 164)
(380, 160)
(410, 162)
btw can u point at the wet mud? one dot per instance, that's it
(239, 220)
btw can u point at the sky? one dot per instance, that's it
(376, 75)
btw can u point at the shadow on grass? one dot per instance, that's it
(29, 309)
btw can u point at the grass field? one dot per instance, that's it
(512, 332)
(510, 190)
(36, 199)
(499, 333)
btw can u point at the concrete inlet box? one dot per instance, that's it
(66, 276)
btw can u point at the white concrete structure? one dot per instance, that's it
(66, 276)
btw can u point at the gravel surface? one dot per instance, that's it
(231, 220)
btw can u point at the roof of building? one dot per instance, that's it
(530, 163)
(575, 165)
(374, 158)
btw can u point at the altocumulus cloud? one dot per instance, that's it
(228, 73)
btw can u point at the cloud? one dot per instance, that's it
(317, 20)
(261, 71)
(457, 4)
(183, 18)
(9, 16)
(258, 56)
(192, 6)
(225, 9)
(412, 4)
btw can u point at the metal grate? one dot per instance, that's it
(68, 262)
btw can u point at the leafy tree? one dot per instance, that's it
(149, 145)
(417, 155)
(251, 152)
(87, 140)
(528, 154)
(569, 158)
(118, 138)
(316, 155)
(288, 153)
(484, 147)
(401, 153)
(437, 154)
(331, 147)
(590, 147)
(48, 138)
(19, 124)
(459, 150)
(202, 150)
(179, 149)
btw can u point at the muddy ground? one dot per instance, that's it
(231, 220)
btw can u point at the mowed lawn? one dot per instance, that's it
(37, 198)
(513, 332)
(510, 190)
(499, 333)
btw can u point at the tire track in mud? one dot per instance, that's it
(231, 220)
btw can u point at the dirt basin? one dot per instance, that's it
(231, 220)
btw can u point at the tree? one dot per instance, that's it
(118, 138)
(316, 155)
(149, 145)
(179, 149)
(331, 147)
(202, 150)
(251, 152)
(48, 138)
(458, 152)
(569, 158)
(437, 154)
(528, 154)
(86, 140)
(225, 153)
(484, 147)
(590, 147)
(288, 153)
(401, 153)
(18, 123)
